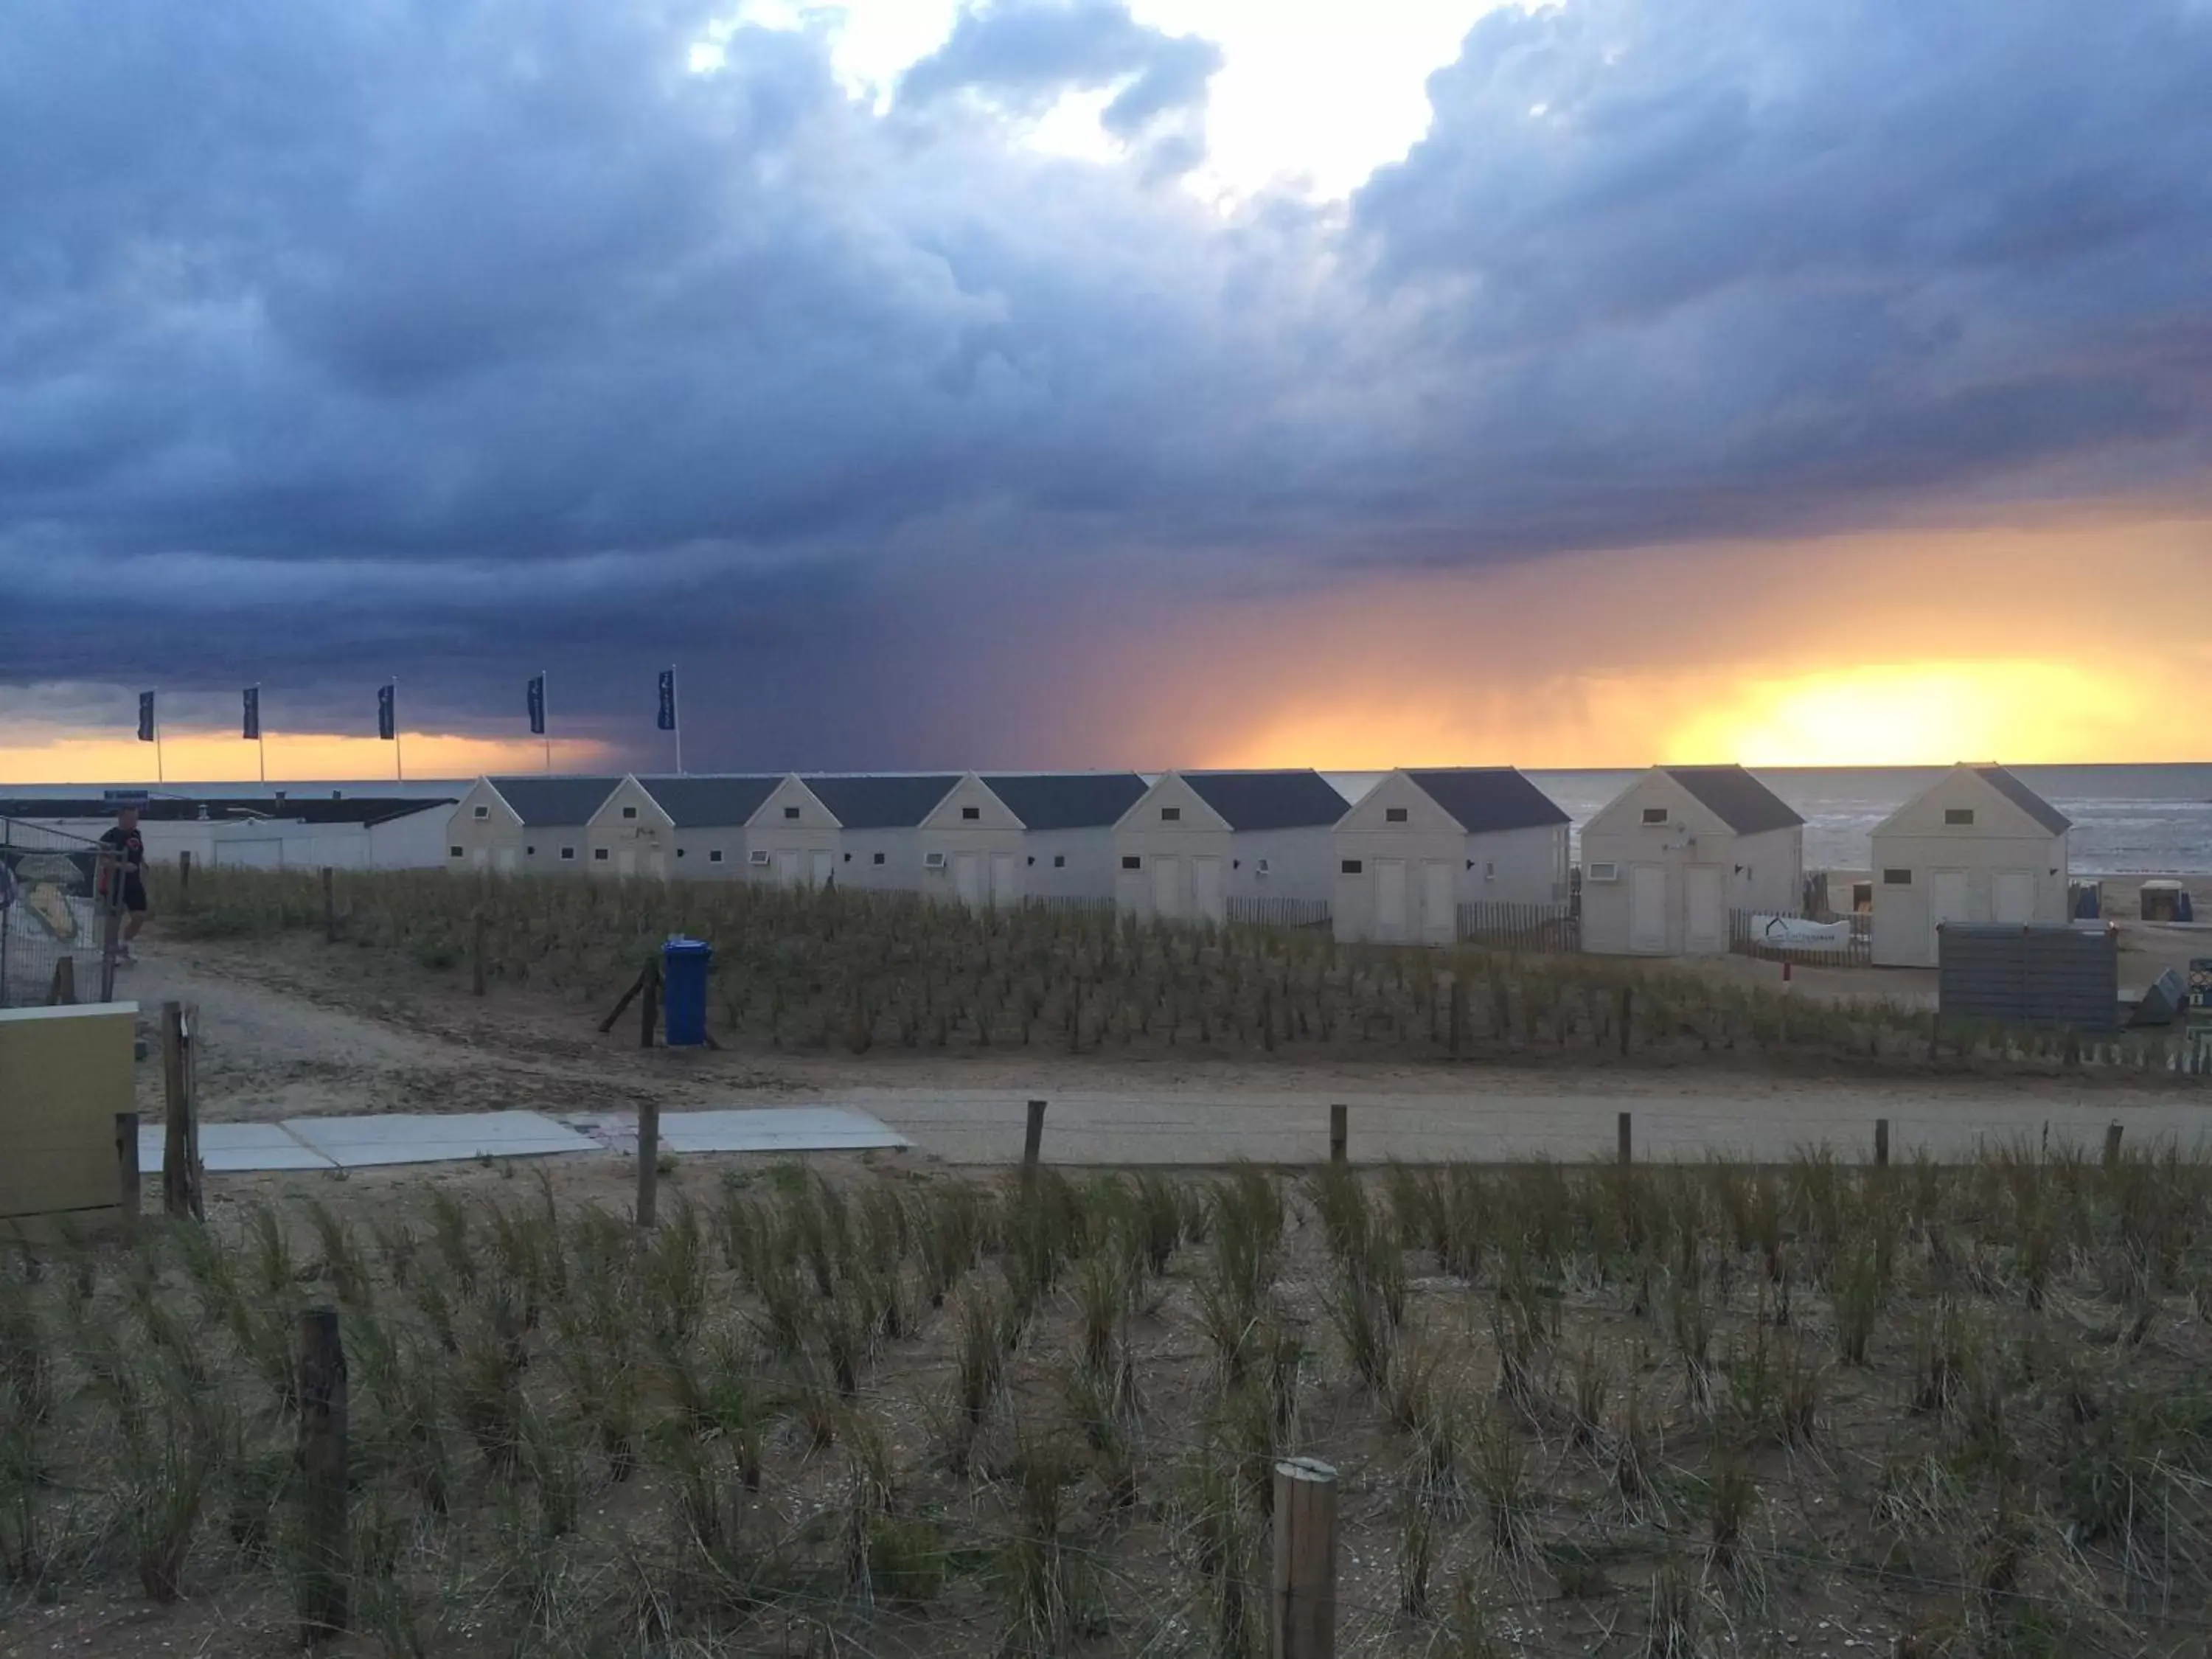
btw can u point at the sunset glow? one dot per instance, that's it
(205, 758)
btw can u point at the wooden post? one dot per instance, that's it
(1304, 1622)
(110, 929)
(176, 1100)
(2113, 1145)
(330, 905)
(1033, 1141)
(648, 1164)
(64, 994)
(1627, 1136)
(1339, 1133)
(184, 880)
(476, 951)
(1882, 1143)
(648, 1015)
(126, 1164)
(326, 1568)
(1627, 1014)
(1935, 1034)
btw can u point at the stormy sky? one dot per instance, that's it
(455, 339)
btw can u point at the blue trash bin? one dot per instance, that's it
(684, 965)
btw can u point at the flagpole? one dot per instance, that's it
(260, 742)
(545, 714)
(676, 723)
(160, 771)
(398, 743)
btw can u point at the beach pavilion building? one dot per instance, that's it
(526, 825)
(1975, 845)
(693, 827)
(1422, 843)
(1195, 842)
(1067, 821)
(1666, 861)
(878, 817)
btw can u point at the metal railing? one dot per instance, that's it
(51, 912)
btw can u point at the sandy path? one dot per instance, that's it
(300, 1029)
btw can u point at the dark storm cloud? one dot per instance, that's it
(445, 337)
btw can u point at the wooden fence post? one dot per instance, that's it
(326, 1563)
(1033, 1142)
(1304, 1622)
(126, 1164)
(330, 905)
(1625, 1134)
(2113, 1145)
(1339, 1133)
(648, 1164)
(1627, 1014)
(184, 880)
(477, 952)
(1882, 1143)
(649, 1017)
(177, 1171)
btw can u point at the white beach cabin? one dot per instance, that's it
(1067, 821)
(792, 840)
(1422, 843)
(697, 823)
(526, 825)
(1666, 861)
(1975, 845)
(1197, 844)
(879, 817)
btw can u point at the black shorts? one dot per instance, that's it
(134, 895)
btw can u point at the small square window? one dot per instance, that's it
(790, 813)
(1897, 878)
(679, 852)
(1958, 815)
(530, 852)
(1352, 866)
(568, 853)
(878, 857)
(629, 811)
(1131, 861)
(598, 854)
(457, 852)
(1059, 860)
(1655, 815)
(1171, 815)
(971, 813)
(1394, 815)
(715, 855)
(484, 811)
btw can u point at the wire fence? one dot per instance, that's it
(50, 913)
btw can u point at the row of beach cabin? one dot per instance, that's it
(1667, 866)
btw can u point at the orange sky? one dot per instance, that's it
(2076, 641)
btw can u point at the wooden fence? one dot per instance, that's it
(1521, 927)
(1254, 912)
(1751, 935)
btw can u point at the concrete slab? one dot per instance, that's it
(234, 1148)
(777, 1129)
(359, 1143)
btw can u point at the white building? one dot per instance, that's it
(1067, 820)
(280, 829)
(1196, 843)
(1420, 844)
(791, 839)
(1975, 845)
(691, 827)
(971, 847)
(878, 817)
(1665, 863)
(526, 825)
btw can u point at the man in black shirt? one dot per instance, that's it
(124, 856)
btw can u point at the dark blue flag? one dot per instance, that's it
(667, 721)
(145, 717)
(538, 706)
(252, 713)
(387, 716)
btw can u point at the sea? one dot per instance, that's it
(2128, 820)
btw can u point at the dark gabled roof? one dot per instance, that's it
(709, 803)
(2025, 798)
(880, 802)
(553, 800)
(1487, 799)
(1068, 801)
(365, 810)
(1746, 805)
(1269, 800)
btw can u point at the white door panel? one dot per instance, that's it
(1167, 885)
(1647, 907)
(1206, 900)
(1439, 911)
(1706, 925)
(1391, 898)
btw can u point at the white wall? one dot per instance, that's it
(1145, 837)
(992, 845)
(1087, 870)
(1916, 842)
(1300, 864)
(631, 836)
(1692, 848)
(791, 825)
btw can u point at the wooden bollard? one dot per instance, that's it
(648, 1164)
(325, 1561)
(1339, 1133)
(1033, 1141)
(2113, 1145)
(1627, 1136)
(476, 953)
(177, 1115)
(330, 905)
(1882, 1143)
(1304, 1621)
(126, 1166)
(1627, 1014)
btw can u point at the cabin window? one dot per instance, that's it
(1131, 861)
(530, 852)
(1897, 878)
(679, 852)
(1655, 815)
(791, 811)
(568, 853)
(715, 856)
(598, 854)
(484, 811)
(878, 859)
(1059, 860)
(1394, 815)
(971, 813)
(629, 811)
(1171, 815)
(457, 852)
(1352, 866)
(1958, 815)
